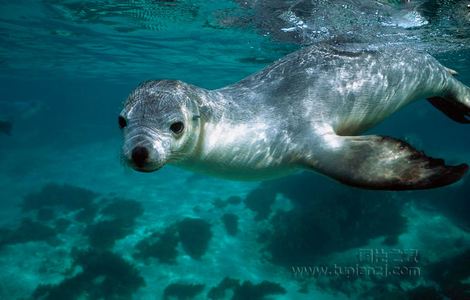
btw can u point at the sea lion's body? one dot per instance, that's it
(300, 112)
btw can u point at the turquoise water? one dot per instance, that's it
(75, 223)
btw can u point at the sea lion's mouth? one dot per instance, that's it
(145, 169)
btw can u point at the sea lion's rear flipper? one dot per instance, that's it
(455, 102)
(383, 163)
(455, 110)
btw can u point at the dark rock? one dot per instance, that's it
(45, 214)
(245, 291)
(219, 203)
(105, 233)
(159, 246)
(194, 235)
(424, 293)
(87, 214)
(451, 201)
(123, 209)
(250, 291)
(61, 224)
(391, 240)
(219, 291)
(66, 196)
(326, 218)
(119, 221)
(231, 223)
(182, 291)
(451, 275)
(27, 231)
(260, 201)
(103, 275)
(233, 200)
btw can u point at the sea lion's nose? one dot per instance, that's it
(139, 156)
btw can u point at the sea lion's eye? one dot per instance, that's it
(177, 127)
(122, 122)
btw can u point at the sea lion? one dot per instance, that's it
(302, 112)
(12, 112)
(5, 127)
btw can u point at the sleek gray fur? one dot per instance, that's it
(302, 112)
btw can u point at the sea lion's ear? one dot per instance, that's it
(196, 117)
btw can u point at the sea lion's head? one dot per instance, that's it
(161, 123)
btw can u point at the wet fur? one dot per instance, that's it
(306, 110)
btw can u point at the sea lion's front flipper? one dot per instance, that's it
(376, 162)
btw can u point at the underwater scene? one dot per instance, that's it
(78, 220)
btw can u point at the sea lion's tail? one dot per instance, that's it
(456, 102)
